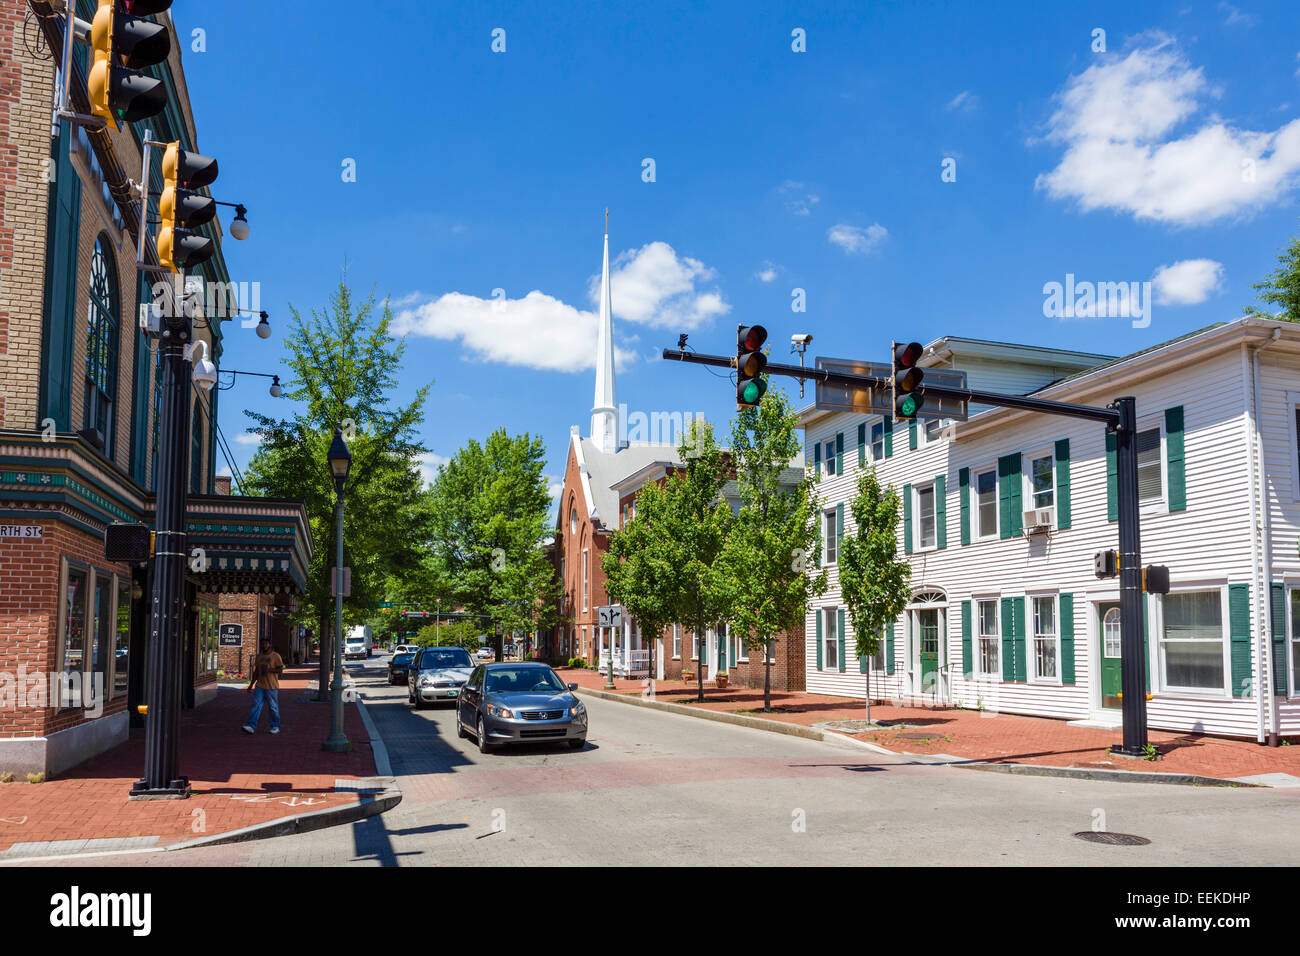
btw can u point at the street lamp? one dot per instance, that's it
(340, 462)
(276, 390)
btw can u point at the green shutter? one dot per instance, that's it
(889, 647)
(819, 638)
(963, 495)
(911, 433)
(888, 429)
(839, 453)
(907, 519)
(1239, 635)
(941, 510)
(1018, 606)
(839, 529)
(1067, 638)
(1279, 639)
(1009, 494)
(966, 665)
(862, 444)
(63, 230)
(1008, 641)
(817, 459)
(844, 644)
(1174, 463)
(1112, 479)
(1063, 484)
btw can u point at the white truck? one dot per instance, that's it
(358, 643)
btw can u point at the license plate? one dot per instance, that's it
(453, 693)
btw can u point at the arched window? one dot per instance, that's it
(103, 320)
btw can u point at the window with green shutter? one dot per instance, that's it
(1239, 636)
(839, 527)
(941, 510)
(967, 666)
(1063, 484)
(888, 423)
(839, 453)
(1009, 496)
(844, 643)
(1066, 624)
(963, 498)
(1008, 640)
(1112, 478)
(1278, 594)
(911, 434)
(818, 614)
(1174, 463)
(907, 519)
(1018, 642)
(817, 459)
(862, 444)
(889, 648)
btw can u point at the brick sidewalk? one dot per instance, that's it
(1004, 738)
(238, 780)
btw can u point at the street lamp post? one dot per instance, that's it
(340, 461)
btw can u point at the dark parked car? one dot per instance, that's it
(437, 673)
(519, 703)
(397, 667)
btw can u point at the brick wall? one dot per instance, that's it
(569, 545)
(26, 100)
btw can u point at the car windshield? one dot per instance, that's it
(402, 658)
(523, 680)
(436, 660)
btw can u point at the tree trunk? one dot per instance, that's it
(699, 671)
(767, 675)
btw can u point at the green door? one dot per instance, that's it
(1108, 618)
(927, 622)
(722, 648)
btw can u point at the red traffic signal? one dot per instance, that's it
(907, 378)
(750, 363)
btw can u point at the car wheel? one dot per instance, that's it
(483, 746)
(410, 694)
(577, 744)
(460, 728)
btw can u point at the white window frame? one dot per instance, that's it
(980, 673)
(739, 649)
(830, 538)
(1157, 425)
(1031, 647)
(878, 429)
(1292, 406)
(997, 510)
(1157, 630)
(830, 459)
(830, 623)
(677, 642)
(924, 429)
(1027, 495)
(585, 581)
(918, 531)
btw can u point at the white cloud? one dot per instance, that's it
(1236, 17)
(801, 202)
(248, 438)
(856, 239)
(1116, 121)
(651, 286)
(224, 472)
(1187, 282)
(554, 486)
(429, 464)
(766, 273)
(965, 101)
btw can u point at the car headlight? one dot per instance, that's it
(577, 710)
(426, 681)
(496, 711)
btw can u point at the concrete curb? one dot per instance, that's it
(939, 760)
(377, 745)
(368, 806)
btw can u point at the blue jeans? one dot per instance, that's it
(272, 697)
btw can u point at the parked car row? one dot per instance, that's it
(496, 703)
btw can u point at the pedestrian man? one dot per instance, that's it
(264, 685)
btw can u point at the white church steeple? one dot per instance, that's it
(604, 411)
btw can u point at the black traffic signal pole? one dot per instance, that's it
(162, 778)
(1119, 417)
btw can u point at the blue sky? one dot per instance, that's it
(774, 170)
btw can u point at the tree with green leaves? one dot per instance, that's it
(637, 573)
(344, 364)
(492, 514)
(463, 633)
(1282, 286)
(874, 582)
(775, 531)
(696, 522)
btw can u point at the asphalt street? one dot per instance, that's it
(665, 790)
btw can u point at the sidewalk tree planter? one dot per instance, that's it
(688, 676)
(721, 680)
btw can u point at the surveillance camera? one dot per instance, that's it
(801, 338)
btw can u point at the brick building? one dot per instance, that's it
(79, 390)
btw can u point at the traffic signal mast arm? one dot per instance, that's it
(1107, 416)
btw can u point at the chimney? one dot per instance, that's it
(223, 484)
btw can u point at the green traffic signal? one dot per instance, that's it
(906, 379)
(750, 363)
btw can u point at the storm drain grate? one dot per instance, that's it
(1112, 839)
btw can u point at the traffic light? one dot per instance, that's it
(906, 382)
(750, 362)
(122, 42)
(181, 208)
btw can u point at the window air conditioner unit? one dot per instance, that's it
(1038, 519)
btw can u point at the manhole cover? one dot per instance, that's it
(1112, 839)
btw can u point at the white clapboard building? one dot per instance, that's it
(1003, 513)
